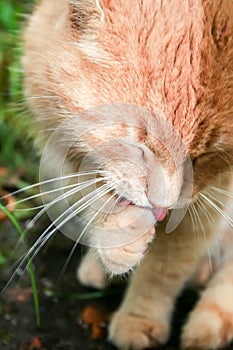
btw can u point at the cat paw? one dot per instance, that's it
(90, 273)
(123, 259)
(209, 327)
(133, 332)
(122, 251)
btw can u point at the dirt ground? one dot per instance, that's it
(72, 317)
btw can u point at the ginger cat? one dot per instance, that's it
(136, 96)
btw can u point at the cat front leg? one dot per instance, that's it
(143, 320)
(210, 325)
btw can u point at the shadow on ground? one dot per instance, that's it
(72, 317)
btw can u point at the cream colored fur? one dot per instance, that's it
(175, 58)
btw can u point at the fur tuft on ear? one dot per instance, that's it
(99, 7)
(86, 17)
(84, 12)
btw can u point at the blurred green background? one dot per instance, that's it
(16, 155)
(18, 161)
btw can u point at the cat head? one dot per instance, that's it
(140, 96)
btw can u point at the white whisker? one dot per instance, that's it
(220, 190)
(217, 209)
(46, 235)
(28, 209)
(65, 195)
(81, 235)
(190, 211)
(203, 208)
(78, 188)
(217, 199)
(198, 218)
(204, 233)
(112, 206)
(73, 175)
(40, 195)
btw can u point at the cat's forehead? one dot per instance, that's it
(163, 58)
(171, 62)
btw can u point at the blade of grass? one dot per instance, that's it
(85, 295)
(30, 267)
(2, 259)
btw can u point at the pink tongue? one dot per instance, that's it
(124, 202)
(159, 213)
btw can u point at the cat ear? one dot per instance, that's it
(86, 18)
(82, 12)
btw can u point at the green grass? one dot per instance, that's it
(15, 145)
(30, 267)
(16, 155)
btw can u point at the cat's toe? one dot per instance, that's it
(209, 327)
(90, 273)
(133, 332)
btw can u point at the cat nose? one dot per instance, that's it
(160, 213)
